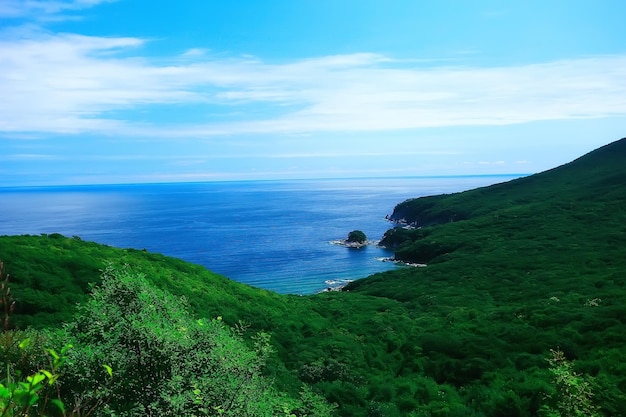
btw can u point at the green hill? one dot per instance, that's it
(599, 176)
(513, 271)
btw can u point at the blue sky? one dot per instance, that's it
(117, 91)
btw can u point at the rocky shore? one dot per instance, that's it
(354, 245)
(395, 261)
(336, 284)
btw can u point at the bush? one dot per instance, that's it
(30, 385)
(573, 396)
(165, 362)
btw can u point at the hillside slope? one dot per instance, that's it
(523, 266)
(598, 175)
(50, 274)
(327, 340)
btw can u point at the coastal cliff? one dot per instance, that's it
(429, 229)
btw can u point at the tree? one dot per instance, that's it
(167, 363)
(573, 396)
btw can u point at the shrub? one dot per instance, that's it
(573, 396)
(30, 385)
(167, 363)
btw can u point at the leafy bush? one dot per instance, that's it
(166, 363)
(573, 396)
(30, 386)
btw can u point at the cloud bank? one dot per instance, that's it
(76, 84)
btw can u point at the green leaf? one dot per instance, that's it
(47, 374)
(35, 379)
(33, 399)
(59, 404)
(109, 370)
(24, 343)
(54, 354)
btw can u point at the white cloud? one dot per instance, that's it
(194, 52)
(30, 157)
(68, 83)
(43, 9)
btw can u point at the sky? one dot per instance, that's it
(125, 91)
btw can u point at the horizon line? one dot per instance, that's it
(516, 175)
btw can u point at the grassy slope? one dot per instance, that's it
(535, 264)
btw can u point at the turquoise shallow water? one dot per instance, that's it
(270, 234)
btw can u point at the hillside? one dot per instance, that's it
(316, 339)
(52, 273)
(598, 175)
(524, 266)
(513, 271)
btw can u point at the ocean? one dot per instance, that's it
(270, 234)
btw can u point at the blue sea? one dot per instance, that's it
(271, 234)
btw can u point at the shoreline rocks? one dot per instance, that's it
(354, 245)
(336, 284)
(395, 261)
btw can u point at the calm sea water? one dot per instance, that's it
(270, 234)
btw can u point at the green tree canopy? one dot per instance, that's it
(356, 236)
(167, 363)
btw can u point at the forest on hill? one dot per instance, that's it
(520, 311)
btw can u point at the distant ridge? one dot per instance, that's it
(599, 174)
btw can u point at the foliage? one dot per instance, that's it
(33, 394)
(356, 236)
(165, 362)
(31, 386)
(595, 177)
(573, 396)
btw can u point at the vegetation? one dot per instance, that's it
(356, 236)
(134, 350)
(520, 311)
(574, 396)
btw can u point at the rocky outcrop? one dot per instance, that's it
(425, 211)
(354, 245)
(356, 239)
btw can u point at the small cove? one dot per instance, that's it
(271, 234)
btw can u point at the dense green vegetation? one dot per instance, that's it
(356, 236)
(134, 350)
(522, 302)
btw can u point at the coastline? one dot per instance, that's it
(403, 263)
(354, 245)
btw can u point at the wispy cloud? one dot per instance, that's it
(30, 157)
(69, 83)
(43, 9)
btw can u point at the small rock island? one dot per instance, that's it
(356, 239)
(356, 236)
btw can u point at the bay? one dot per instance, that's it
(270, 234)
